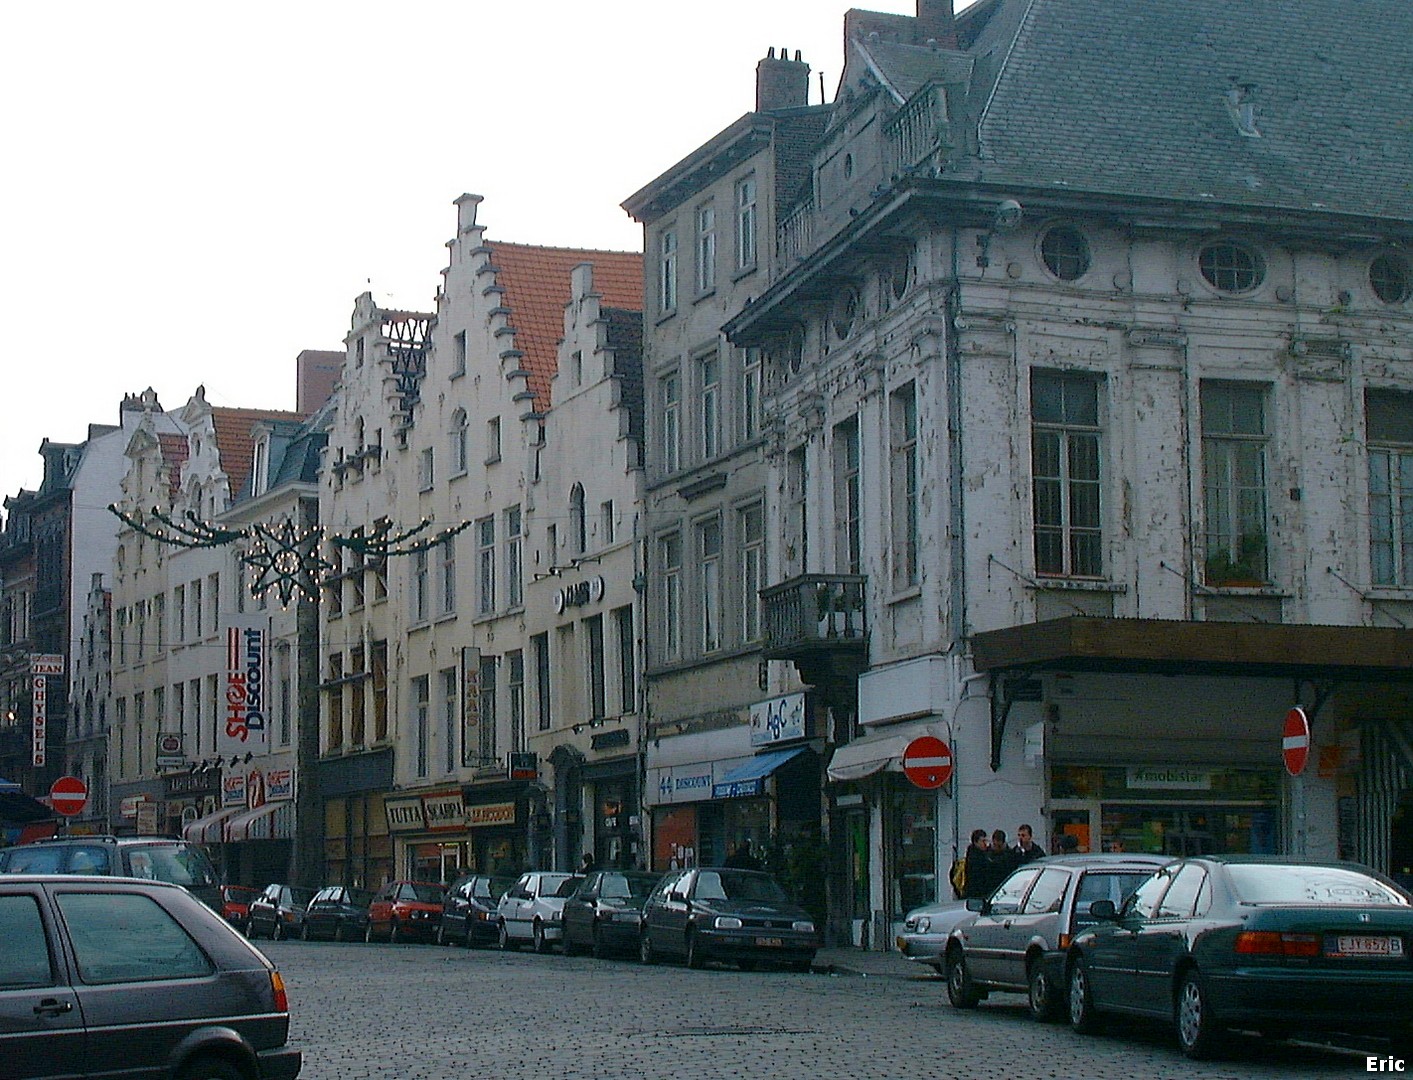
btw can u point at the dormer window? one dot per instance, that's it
(1065, 252)
(1231, 267)
(1391, 279)
(260, 467)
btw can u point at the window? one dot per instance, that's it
(1144, 901)
(515, 686)
(356, 572)
(426, 472)
(1389, 416)
(1048, 893)
(594, 654)
(745, 223)
(552, 546)
(380, 691)
(847, 523)
(709, 574)
(1065, 252)
(422, 709)
(356, 703)
(458, 353)
(671, 423)
(578, 527)
(514, 544)
(1178, 902)
(667, 271)
(419, 586)
(159, 620)
(486, 565)
(1391, 279)
(492, 440)
(1231, 267)
(179, 606)
(333, 584)
(485, 751)
(750, 393)
(540, 644)
(458, 442)
(334, 738)
(446, 572)
(1006, 900)
(1065, 461)
(449, 719)
(128, 937)
(1234, 482)
(751, 521)
(378, 564)
(670, 555)
(797, 509)
(214, 704)
(284, 677)
(904, 484)
(25, 960)
(706, 248)
(627, 660)
(576, 367)
(709, 378)
(260, 466)
(606, 522)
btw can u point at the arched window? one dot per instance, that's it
(458, 442)
(578, 535)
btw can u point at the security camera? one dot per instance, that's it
(1008, 214)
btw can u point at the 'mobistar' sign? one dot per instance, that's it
(246, 725)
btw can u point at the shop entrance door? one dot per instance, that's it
(856, 856)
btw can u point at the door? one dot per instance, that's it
(1116, 980)
(41, 1026)
(1163, 938)
(988, 938)
(517, 907)
(857, 868)
(672, 916)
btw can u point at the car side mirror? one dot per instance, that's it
(1103, 909)
(976, 903)
(677, 897)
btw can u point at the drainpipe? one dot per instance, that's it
(955, 487)
(962, 699)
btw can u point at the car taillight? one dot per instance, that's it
(1273, 943)
(1064, 942)
(277, 984)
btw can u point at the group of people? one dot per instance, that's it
(989, 860)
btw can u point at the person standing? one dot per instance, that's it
(975, 882)
(1027, 850)
(1000, 860)
(742, 859)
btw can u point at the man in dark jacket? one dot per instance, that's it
(1027, 849)
(977, 876)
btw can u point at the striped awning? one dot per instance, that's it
(208, 829)
(272, 821)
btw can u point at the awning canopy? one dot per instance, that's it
(207, 830)
(19, 808)
(272, 821)
(749, 777)
(882, 752)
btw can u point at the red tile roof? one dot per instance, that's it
(536, 282)
(233, 440)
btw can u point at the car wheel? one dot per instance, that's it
(600, 952)
(538, 934)
(645, 949)
(1044, 996)
(1084, 1017)
(961, 991)
(695, 959)
(506, 943)
(1199, 1034)
(209, 1068)
(394, 933)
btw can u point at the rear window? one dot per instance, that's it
(176, 864)
(128, 937)
(1281, 884)
(1114, 886)
(34, 860)
(568, 886)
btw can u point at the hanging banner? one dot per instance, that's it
(470, 706)
(39, 695)
(246, 727)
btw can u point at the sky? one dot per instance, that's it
(195, 192)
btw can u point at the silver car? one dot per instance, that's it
(926, 929)
(532, 910)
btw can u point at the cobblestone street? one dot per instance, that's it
(422, 1013)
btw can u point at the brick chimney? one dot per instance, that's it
(936, 20)
(782, 83)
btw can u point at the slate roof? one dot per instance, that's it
(537, 288)
(1128, 97)
(233, 440)
(905, 69)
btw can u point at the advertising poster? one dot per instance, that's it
(244, 726)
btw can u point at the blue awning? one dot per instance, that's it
(749, 777)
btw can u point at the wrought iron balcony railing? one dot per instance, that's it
(814, 613)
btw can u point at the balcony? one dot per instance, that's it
(814, 615)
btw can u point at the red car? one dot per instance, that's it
(404, 910)
(235, 903)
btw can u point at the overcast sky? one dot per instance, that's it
(195, 192)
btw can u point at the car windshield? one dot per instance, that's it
(568, 886)
(623, 886)
(360, 897)
(491, 888)
(1264, 883)
(301, 896)
(177, 864)
(426, 894)
(738, 885)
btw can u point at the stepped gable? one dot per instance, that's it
(175, 451)
(537, 288)
(233, 441)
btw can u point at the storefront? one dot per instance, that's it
(429, 832)
(497, 817)
(612, 835)
(357, 845)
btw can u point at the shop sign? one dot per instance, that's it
(444, 811)
(684, 787)
(46, 663)
(404, 815)
(170, 752)
(487, 814)
(523, 766)
(279, 784)
(147, 818)
(128, 806)
(778, 720)
(245, 728)
(233, 789)
(1169, 779)
(181, 784)
(579, 594)
(39, 699)
(738, 789)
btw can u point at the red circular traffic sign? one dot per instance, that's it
(1295, 741)
(69, 795)
(927, 762)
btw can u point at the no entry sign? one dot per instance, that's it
(69, 795)
(927, 762)
(1295, 741)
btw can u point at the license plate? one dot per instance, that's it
(1364, 945)
(769, 942)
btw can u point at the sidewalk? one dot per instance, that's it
(847, 960)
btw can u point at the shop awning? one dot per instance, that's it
(207, 830)
(749, 777)
(273, 821)
(873, 754)
(19, 808)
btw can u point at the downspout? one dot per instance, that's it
(955, 511)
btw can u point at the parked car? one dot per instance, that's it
(107, 973)
(469, 910)
(1261, 943)
(403, 910)
(336, 913)
(152, 858)
(278, 912)
(605, 913)
(717, 913)
(925, 932)
(235, 903)
(1021, 933)
(532, 909)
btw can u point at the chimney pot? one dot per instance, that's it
(937, 19)
(782, 83)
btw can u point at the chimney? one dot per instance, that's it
(936, 21)
(782, 83)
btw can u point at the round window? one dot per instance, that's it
(1065, 252)
(1231, 267)
(846, 310)
(1391, 279)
